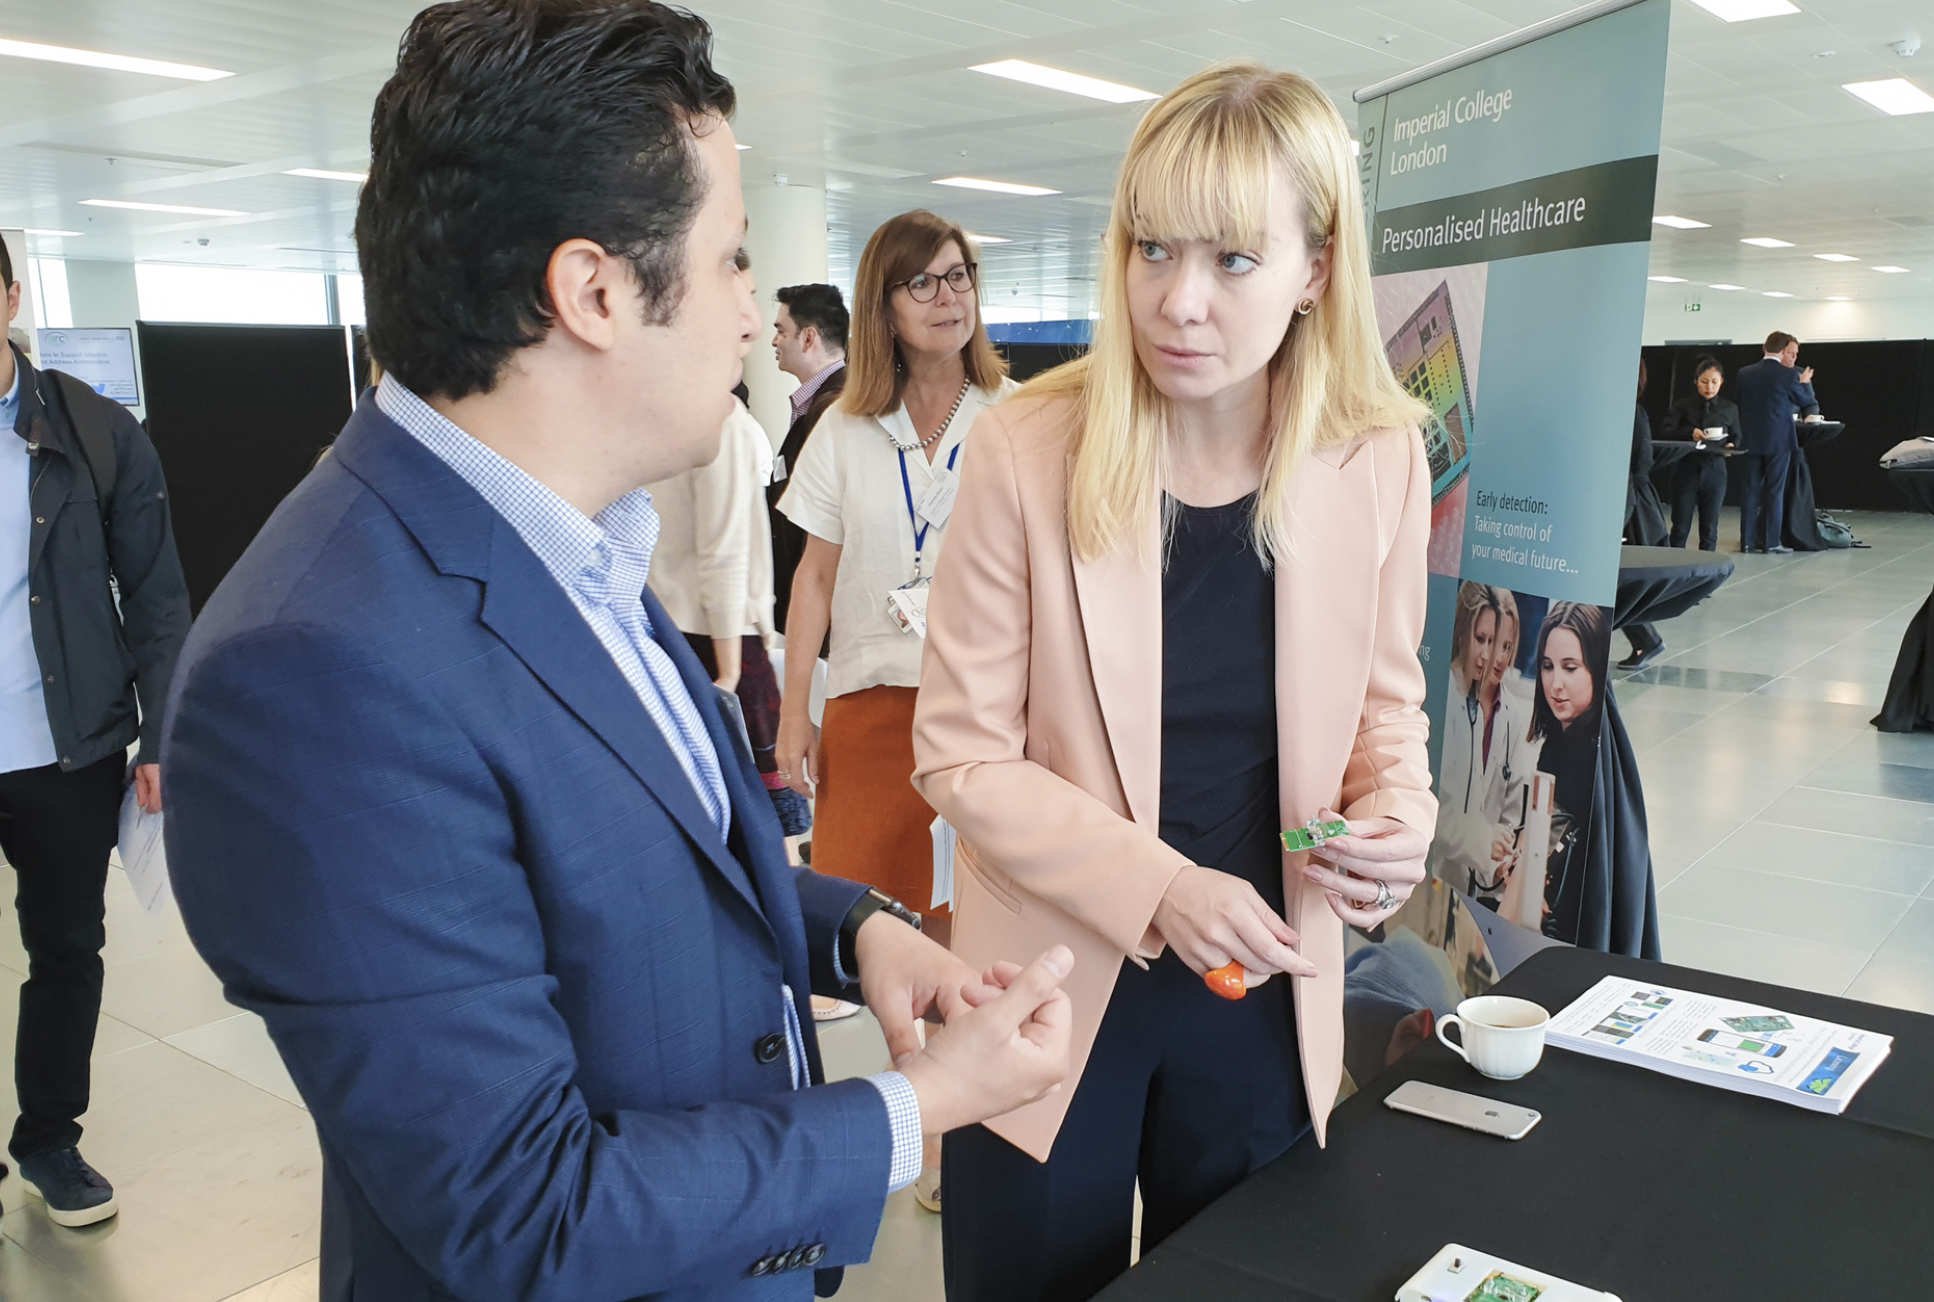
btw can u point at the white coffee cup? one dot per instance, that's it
(1504, 1038)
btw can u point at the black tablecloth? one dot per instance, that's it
(1801, 531)
(1654, 1188)
(1917, 486)
(1909, 704)
(1660, 583)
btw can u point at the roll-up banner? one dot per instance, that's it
(1509, 192)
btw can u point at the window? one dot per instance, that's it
(52, 303)
(230, 295)
(349, 299)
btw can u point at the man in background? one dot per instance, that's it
(82, 504)
(809, 339)
(1770, 394)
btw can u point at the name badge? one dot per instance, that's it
(936, 505)
(908, 607)
(779, 470)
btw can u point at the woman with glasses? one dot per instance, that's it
(874, 493)
(1178, 624)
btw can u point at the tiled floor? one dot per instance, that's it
(1794, 844)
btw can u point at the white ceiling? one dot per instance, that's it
(873, 99)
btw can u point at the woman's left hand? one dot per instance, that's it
(1375, 850)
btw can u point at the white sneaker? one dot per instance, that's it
(832, 1010)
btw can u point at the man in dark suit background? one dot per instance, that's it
(809, 339)
(1770, 393)
(454, 807)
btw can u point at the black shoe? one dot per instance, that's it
(75, 1193)
(1751, 551)
(1640, 659)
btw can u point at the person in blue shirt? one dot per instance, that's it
(83, 676)
(453, 804)
(1771, 394)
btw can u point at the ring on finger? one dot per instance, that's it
(1386, 898)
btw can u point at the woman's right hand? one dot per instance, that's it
(797, 753)
(1211, 919)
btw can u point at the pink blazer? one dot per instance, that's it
(1038, 733)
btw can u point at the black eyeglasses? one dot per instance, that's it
(925, 287)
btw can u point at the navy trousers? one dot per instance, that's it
(1185, 1092)
(1762, 503)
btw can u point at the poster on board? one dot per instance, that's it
(1509, 194)
(103, 359)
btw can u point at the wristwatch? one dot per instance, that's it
(849, 931)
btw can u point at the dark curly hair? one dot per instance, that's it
(510, 127)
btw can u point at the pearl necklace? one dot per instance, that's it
(945, 425)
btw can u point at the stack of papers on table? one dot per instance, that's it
(1713, 1041)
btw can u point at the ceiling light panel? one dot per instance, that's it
(323, 174)
(1073, 83)
(995, 187)
(179, 209)
(1895, 96)
(1744, 11)
(111, 62)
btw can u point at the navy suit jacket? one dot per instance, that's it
(418, 821)
(1769, 393)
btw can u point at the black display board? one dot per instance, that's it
(1025, 361)
(238, 415)
(1883, 389)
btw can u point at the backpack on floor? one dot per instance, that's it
(1832, 532)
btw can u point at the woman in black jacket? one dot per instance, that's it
(1566, 713)
(1700, 479)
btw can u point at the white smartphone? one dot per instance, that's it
(1505, 1120)
(1457, 1274)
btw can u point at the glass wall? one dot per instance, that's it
(231, 295)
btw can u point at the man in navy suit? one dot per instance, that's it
(1770, 393)
(452, 804)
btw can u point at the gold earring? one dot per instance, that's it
(1305, 307)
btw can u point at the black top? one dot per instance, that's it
(1571, 756)
(1693, 413)
(1220, 799)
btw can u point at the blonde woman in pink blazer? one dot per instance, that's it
(1179, 613)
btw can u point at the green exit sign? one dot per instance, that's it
(1692, 307)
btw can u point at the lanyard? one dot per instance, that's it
(913, 516)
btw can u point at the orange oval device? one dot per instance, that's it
(1227, 981)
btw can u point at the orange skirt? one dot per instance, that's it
(869, 824)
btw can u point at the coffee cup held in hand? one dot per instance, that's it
(1504, 1038)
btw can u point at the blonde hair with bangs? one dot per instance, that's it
(1201, 166)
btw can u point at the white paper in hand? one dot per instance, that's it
(141, 854)
(945, 841)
